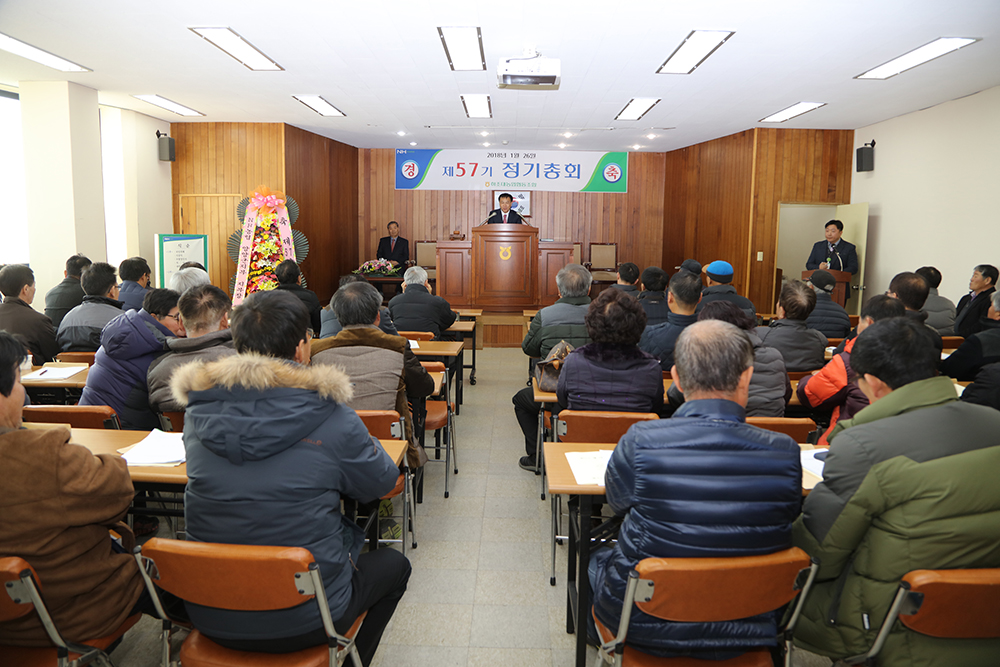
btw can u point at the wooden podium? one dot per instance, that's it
(505, 267)
(839, 294)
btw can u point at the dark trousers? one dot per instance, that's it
(526, 411)
(378, 584)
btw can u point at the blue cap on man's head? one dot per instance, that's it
(719, 271)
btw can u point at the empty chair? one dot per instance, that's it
(698, 590)
(388, 425)
(77, 357)
(799, 428)
(417, 335)
(77, 416)
(217, 575)
(22, 594)
(603, 264)
(440, 418)
(947, 604)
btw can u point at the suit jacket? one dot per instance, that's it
(513, 218)
(847, 260)
(400, 254)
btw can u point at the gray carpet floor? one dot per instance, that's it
(479, 594)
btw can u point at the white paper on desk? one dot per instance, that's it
(414, 345)
(157, 449)
(811, 463)
(959, 388)
(54, 373)
(589, 467)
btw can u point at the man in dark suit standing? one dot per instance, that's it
(393, 247)
(833, 254)
(503, 215)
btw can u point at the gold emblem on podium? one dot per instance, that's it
(505, 252)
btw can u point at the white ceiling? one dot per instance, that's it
(381, 62)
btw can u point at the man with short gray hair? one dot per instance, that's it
(563, 320)
(383, 369)
(186, 278)
(204, 311)
(417, 309)
(684, 488)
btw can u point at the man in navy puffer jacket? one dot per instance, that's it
(701, 484)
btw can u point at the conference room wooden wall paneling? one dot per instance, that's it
(633, 220)
(794, 167)
(321, 174)
(707, 197)
(219, 164)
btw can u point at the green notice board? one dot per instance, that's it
(172, 250)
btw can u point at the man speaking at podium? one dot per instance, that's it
(833, 254)
(503, 215)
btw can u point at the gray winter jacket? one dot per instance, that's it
(80, 329)
(940, 313)
(563, 320)
(802, 348)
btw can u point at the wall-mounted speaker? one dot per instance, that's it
(866, 158)
(166, 148)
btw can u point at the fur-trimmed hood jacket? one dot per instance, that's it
(271, 449)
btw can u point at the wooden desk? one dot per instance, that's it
(467, 327)
(469, 312)
(561, 480)
(78, 381)
(108, 441)
(443, 348)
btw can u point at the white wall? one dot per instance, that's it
(933, 194)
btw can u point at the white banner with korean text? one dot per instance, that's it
(486, 169)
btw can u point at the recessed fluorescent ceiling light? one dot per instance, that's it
(637, 108)
(401, 133)
(792, 112)
(319, 105)
(19, 48)
(169, 105)
(477, 106)
(413, 143)
(464, 48)
(237, 47)
(693, 51)
(935, 49)
(636, 147)
(562, 145)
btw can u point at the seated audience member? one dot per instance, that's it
(563, 320)
(417, 309)
(940, 310)
(80, 330)
(330, 326)
(17, 284)
(271, 450)
(129, 344)
(979, 349)
(290, 280)
(828, 318)
(973, 306)
(188, 277)
(204, 311)
(770, 388)
(802, 348)
(382, 368)
(909, 484)
(652, 296)
(985, 390)
(682, 488)
(58, 502)
(628, 278)
(135, 273)
(719, 274)
(911, 289)
(835, 387)
(610, 374)
(68, 294)
(682, 299)
(194, 265)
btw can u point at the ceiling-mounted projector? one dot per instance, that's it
(529, 72)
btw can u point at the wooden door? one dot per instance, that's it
(214, 215)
